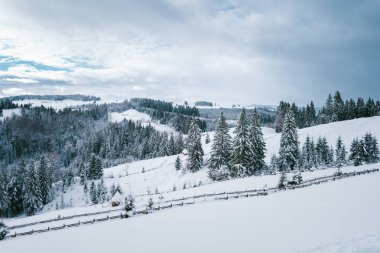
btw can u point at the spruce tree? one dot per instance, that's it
(179, 144)
(3, 230)
(257, 144)
(307, 153)
(282, 181)
(98, 168)
(102, 192)
(43, 181)
(93, 193)
(219, 163)
(32, 195)
(4, 199)
(371, 148)
(242, 152)
(340, 153)
(357, 152)
(289, 150)
(207, 140)
(194, 147)
(178, 163)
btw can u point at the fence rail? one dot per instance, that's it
(184, 201)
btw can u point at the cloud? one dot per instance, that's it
(15, 92)
(225, 51)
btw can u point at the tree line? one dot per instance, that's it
(335, 109)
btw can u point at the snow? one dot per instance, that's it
(246, 224)
(141, 117)
(329, 218)
(7, 113)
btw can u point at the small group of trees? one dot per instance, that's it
(26, 190)
(241, 156)
(364, 150)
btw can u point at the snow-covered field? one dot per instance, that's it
(342, 216)
(7, 113)
(141, 117)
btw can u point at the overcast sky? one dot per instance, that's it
(223, 51)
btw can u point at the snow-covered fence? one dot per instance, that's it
(184, 201)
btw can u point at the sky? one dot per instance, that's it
(246, 52)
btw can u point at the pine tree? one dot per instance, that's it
(357, 152)
(307, 153)
(179, 144)
(194, 146)
(371, 148)
(102, 192)
(82, 174)
(289, 150)
(4, 199)
(338, 114)
(98, 168)
(178, 163)
(171, 146)
(93, 193)
(282, 181)
(340, 153)
(257, 144)
(92, 173)
(43, 181)
(32, 195)
(3, 231)
(129, 203)
(207, 140)
(221, 150)
(16, 189)
(329, 108)
(242, 153)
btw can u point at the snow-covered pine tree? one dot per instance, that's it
(207, 140)
(102, 192)
(129, 203)
(179, 144)
(178, 163)
(4, 200)
(340, 153)
(171, 147)
(307, 153)
(32, 195)
(221, 151)
(15, 188)
(43, 181)
(257, 144)
(371, 148)
(91, 173)
(82, 174)
(242, 153)
(289, 150)
(194, 147)
(93, 193)
(98, 168)
(331, 157)
(3, 230)
(357, 152)
(282, 181)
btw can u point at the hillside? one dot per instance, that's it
(158, 179)
(326, 218)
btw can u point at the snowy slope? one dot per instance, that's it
(160, 174)
(141, 117)
(328, 218)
